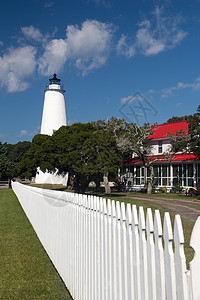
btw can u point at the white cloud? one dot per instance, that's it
(15, 66)
(54, 57)
(154, 35)
(159, 34)
(107, 3)
(124, 49)
(32, 33)
(23, 132)
(48, 4)
(88, 47)
(132, 98)
(151, 91)
(165, 93)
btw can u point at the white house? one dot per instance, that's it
(183, 169)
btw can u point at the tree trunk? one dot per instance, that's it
(97, 180)
(71, 180)
(106, 183)
(150, 181)
(81, 183)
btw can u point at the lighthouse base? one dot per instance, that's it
(50, 178)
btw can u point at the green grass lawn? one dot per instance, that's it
(26, 271)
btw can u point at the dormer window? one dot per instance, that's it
(160, 147)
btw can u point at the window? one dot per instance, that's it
(160, 150)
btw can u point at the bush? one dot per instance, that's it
(177, 189)
(162, 189)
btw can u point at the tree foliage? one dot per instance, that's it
(194, 132)
(178, 119)
(15, 152)
(188, 142)
(131, 138)
(82, 150)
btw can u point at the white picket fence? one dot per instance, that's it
(103, 251)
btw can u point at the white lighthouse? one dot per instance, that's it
(54, 112)
(53, 117)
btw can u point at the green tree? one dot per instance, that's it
(178, 119)
(37, 155)
(190, 142)
(81, 150)
(15, 152)
(7, 168)
(194, 133)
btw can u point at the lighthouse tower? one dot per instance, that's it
(54, 112)
(53, 117)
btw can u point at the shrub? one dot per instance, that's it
(162, 189)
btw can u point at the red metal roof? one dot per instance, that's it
(162, 130)
(177, 157)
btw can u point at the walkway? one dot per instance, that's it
(186, 208)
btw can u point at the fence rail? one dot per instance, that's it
(103, 251)
(4, 184)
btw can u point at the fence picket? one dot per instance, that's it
(143, 256)
(113, 257)
(105, 249)
(169, 259)
(94, 283)
(124, 253)
(136, 254)
(159, 254)
(180, 263)
(118, 251)
(151, 255)
(98, 248)
(103, 252)
(109, 253)
(129, 254)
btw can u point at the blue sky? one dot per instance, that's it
(137, 59)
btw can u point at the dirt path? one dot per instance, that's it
(185, 208)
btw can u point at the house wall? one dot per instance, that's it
(134, 177)
(155, 146)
